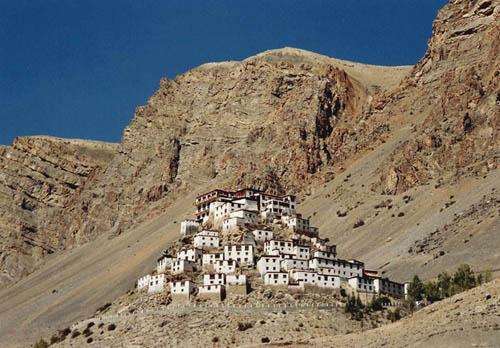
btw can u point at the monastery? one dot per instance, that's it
(249, 237)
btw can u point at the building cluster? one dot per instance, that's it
(301, 261)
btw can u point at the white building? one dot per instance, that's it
(164, 263)
(328, 281)
(214, 278)
(193, 254)
(276, 278)
(291, 264)
(236, 284)
(272, 207)
(321, 244)
(388, 287)
(299, 225)
(225, 266)
(248, 238)
(206, 239)
(324, 255)
(277, 247)
(221, 210)
(247, 203)
(342, 268)
(211, 258)
(327, 271)
(361, 284)
(143, 282)
(236, 279)
(181, 290)
(212, 292)
(268, 263)
(182, 266)
(262, 235)
(189, 227)
(204, 200)
(243, 254)
(302, 252)
(156, 283)
(239, 219)
(304, 276)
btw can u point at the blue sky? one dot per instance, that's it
(78, 69)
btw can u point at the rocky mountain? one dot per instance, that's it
(298, 111)
(451, 100)
(412, 152)
(39, 177)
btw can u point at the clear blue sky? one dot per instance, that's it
(78, 69)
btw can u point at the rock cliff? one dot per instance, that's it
(277, 121)
(40, 176)
(451, 100)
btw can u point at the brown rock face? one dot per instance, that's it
(274, 121)
(451, 99)
(40, 176)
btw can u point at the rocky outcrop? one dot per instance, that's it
(40, 176)
(451, 101)
(275, 121)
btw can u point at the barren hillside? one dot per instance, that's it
(469, 319)
(40, 176)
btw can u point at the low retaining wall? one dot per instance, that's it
(189, 307)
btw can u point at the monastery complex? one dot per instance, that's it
(248, 238)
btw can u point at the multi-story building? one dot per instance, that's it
(342, 268)
(276, 278)
(273, 207)
(299, 225)
(192, 254)
(294, 264)
(242, 253)
(206, 239)
(238, 219)
(302, 252)
(225, 266)
(324, 255)
(278, 247)
(262, 235)
(181, 291)
(182, 266)
(143, 282)
(304, 276)
(268, 263)
(211, 258)
(189, 227)
(385, 286)
(204, 200)
(214, 278)
(328, 281)
(163, 263)
(362, 284)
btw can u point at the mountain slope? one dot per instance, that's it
(469, 319)
(39, 176)
(296, 111)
